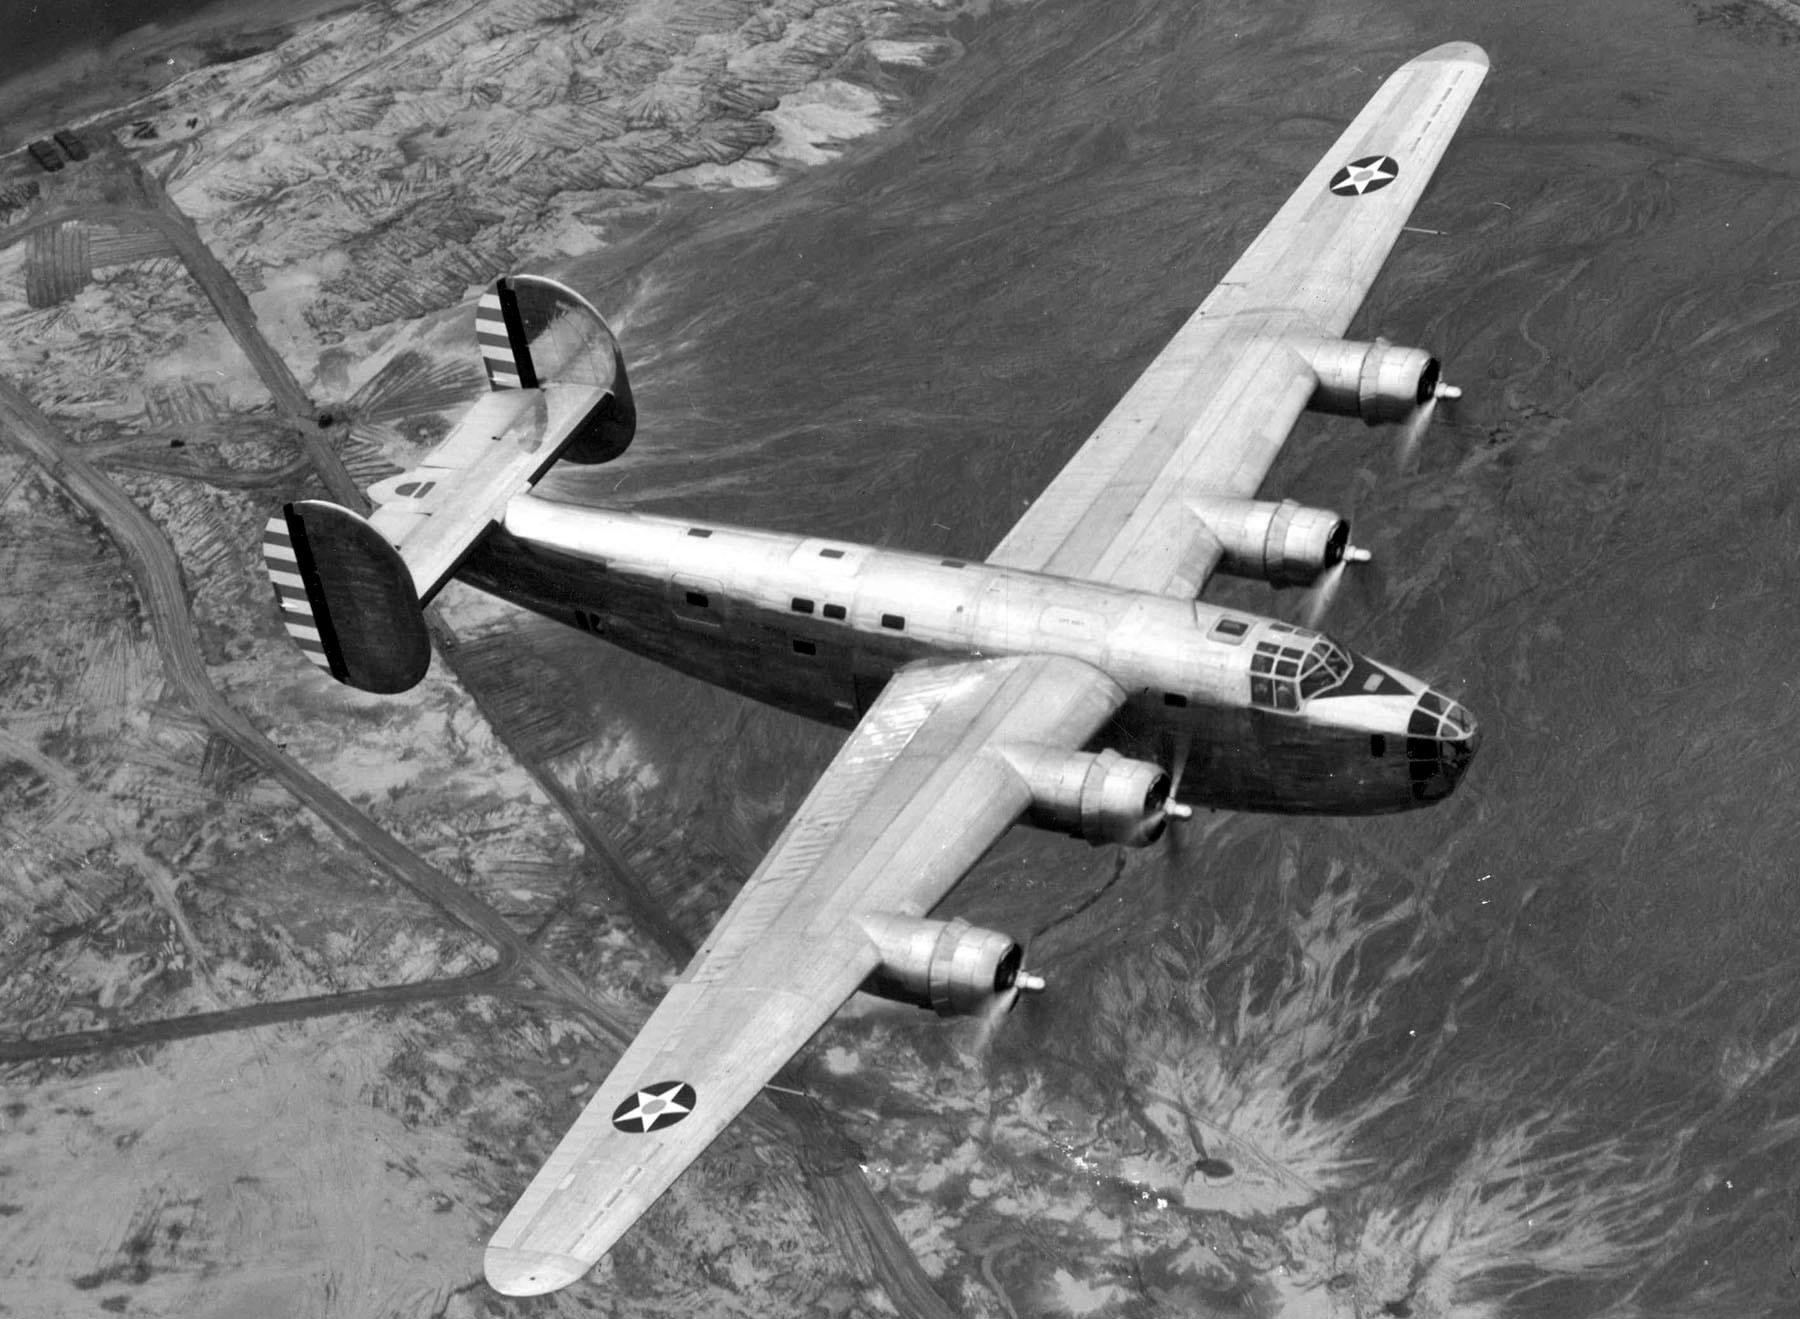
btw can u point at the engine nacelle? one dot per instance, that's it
(1375, 381)
(1098, 797)
(952, 967)
(1284, 544)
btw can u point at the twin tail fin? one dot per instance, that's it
(352, 589)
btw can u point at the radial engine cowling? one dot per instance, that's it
(1098, 797)
(951, 967)
(1284, 544)
(1375, 381)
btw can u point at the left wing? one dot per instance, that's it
(1210, 414)
(915, 797)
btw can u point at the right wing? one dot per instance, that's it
(912, 801)
(1210, 414)
(351, 589)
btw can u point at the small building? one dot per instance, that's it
(47, 154)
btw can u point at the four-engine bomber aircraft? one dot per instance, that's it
(1053, 683)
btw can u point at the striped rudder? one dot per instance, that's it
(283, 563)
(346, 597)
(500, 331)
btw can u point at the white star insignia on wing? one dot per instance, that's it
(660, 1105)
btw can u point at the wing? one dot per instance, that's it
(912, 801)
(1212, 411)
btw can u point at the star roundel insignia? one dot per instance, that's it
(1370, 174)
(655, 1107)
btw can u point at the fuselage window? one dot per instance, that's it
(1175, 699)
(893, 622)
(804, 647)
(1231, 629)
(831, 554)
(701, 532)
(953, 563)
(802, 605)
(1377, 745)
(698, 599)
(834, 611)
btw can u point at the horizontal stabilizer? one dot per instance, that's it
(346, 597)
(351, 589)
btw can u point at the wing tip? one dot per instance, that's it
(1454, 52)
(515, 1272)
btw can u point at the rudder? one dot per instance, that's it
(534, 332)
(346, 597)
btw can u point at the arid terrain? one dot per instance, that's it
(878, 268)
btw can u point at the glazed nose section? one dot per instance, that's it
(1441, 740)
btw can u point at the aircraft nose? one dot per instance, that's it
(1441, 740)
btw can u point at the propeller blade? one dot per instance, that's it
(1412, 432)
(1184, 743)
(1412, 435)
(988, 1024)
(1321, 593)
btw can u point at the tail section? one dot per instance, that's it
(352, 590)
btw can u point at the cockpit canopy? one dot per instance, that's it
(1293, 664)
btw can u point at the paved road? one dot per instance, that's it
(497, 980)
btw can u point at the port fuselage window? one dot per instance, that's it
(834, 611)
(801, 605)
(831, 554)
(804, 647)
(893, 622)
(701, 532)
(698, 599)
(1175, 699)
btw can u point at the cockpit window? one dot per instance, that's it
(1281, 676)
(1326, 666)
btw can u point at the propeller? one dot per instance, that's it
(1319, 596)
(1023, 982)
(1412, 430)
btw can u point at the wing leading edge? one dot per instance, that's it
(915, 797)
(1210, 414)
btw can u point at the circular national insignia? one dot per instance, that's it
(1370, 174)
(655, 1107)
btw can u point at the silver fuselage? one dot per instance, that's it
(817, 626)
